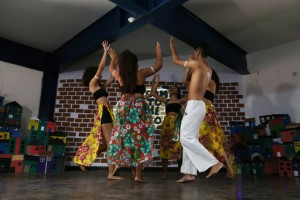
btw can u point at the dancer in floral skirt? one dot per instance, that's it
(131, 141)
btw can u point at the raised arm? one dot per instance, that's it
(146, 72)
(109, 81)
(176, 60)
(113, 61)
(154, 92)
(158, 64)
(94, 81)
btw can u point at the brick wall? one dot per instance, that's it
(75, 108)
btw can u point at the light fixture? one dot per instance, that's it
(131, 19)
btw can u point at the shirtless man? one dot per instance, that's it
(195, 155)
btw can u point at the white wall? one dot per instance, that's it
(169, 72)
(23, 85)
(271, 88)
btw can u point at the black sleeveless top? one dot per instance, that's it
(99, 93)
(209, 95)
(140, 89)
(173, 107)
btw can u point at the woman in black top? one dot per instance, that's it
(169, 149)
(103, 120)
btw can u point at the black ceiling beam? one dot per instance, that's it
(112, 26)
(184, 25)
(22, 55)
(188, 28)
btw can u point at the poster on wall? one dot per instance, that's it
(157, 107)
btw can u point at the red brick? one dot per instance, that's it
(70, 110)
(67, 97)
(237, 119)
(231, 114)
(241, 114)
(71, 102)
(228, 118)
(219, 101)
(236, 109)
(224, 114)
(70, 129)
(240, 105)
(70, 120)
(78, 120)
(227, 109)
(61, 89)
(84, 98)
(231, 96)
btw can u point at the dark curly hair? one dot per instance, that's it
(88, 74)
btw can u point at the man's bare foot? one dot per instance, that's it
(83, 168)
(215, 169)
(229, 174)
(114, 177)
(164, 177)
(186, 178)
(139, 180)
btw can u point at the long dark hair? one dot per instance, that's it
(216, 78)
(128, 67)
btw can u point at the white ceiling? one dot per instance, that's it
(253, 25)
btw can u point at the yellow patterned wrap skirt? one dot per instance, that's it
(211, 135)
(169, 149)
(87, 152)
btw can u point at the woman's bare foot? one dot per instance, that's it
(116, 171)
(83, 168)
(215, 169)
(139, 180)
(186, 178)
(115, 178)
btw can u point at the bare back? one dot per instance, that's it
(199, 82)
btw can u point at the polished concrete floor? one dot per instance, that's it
(75, 184)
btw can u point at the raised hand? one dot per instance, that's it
(112, 53)
(158, 48)
(105, 45)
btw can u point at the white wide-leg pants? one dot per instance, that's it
(195, 155)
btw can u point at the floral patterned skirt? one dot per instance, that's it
(87, 152)
(169, 149)
(211, 135)
(131, 141)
